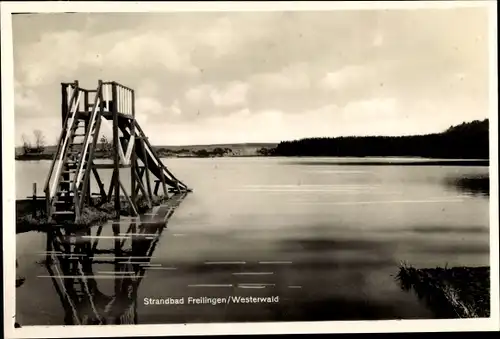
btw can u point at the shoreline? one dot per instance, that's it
(31, 215)
(398, 160)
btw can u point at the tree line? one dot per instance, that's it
(465, 141)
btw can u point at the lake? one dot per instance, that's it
(323, 236)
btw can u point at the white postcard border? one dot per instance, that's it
(8, 184)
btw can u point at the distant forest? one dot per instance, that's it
(465, 141)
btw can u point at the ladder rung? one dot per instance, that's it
(63, 212)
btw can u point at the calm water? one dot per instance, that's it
(326, 239)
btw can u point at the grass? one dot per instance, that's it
(457, 292)
(89, 216)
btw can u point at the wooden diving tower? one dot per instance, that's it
(68, 184)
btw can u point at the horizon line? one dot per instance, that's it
(296, 139)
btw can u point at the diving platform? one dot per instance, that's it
(84, 112)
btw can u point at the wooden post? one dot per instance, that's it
(64, 103)
(102, 190)
(34, 200)
(133, 156)
(87, 125)
(148, 181)
(111, 187)
(116, 157)
(163, 184)
(64, 111)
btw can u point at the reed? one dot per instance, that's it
(457, 292)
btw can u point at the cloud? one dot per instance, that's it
(25, 98)
(346, 76)
(148, 106)
(56, 53)
(209, 73)
(234, 94)
(149, 49)
(230, 94)
(174, 109)
(372, 109)
(293, 77)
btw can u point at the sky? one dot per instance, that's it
(235, 77)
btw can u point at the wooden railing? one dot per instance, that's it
(82, 172)
(61, 146)
(124, 100)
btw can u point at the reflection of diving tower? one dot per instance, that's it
(73, 256)
(68, 188)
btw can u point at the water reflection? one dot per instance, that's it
(475, 185)
(74, 259)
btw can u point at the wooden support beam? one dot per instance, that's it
(148, 181)
(139, 180)
(109, 116)
(110, 166)
(116, 157)
(102, 190)
(140, 185)
(132, 204)
(65, 107)
(133, 156)
(64, 103)
(163, 184)
(87, 122)
(156, 156)
(86, 176)
(111, 186)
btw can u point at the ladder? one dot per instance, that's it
(78, 140)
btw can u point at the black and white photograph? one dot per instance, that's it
(249, 167)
